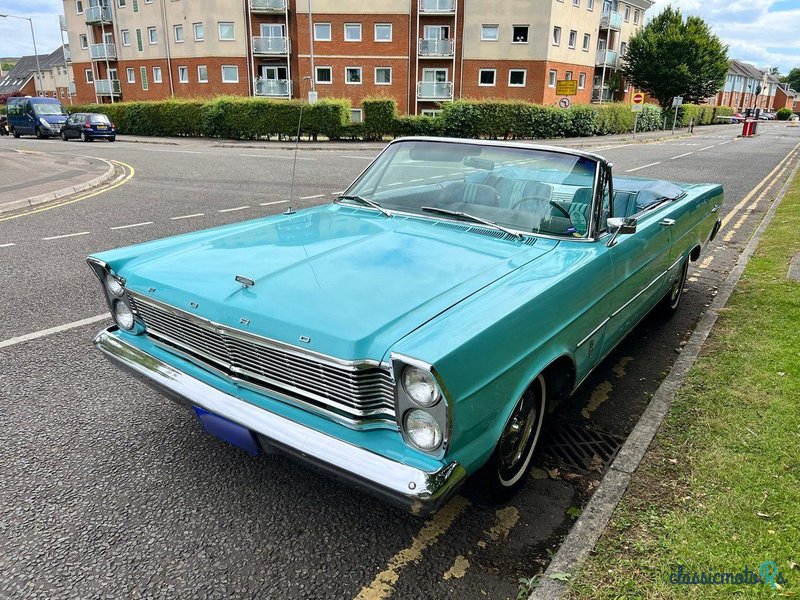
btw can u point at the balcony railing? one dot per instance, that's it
(273, 87)
(437, 6)
(435, 48)
(270, 45)
(72, 89)
(62, 20)
(268, 5)
(67, 55)
(97, 14)
(608, 58)
(434, 90)
(107, 87)
(103, 51)
(611, 20)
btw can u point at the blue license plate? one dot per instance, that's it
(226, 430)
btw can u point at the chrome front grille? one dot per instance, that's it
(358, 394)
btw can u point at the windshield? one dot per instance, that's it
(49, 109)
(528, 190)
(98, 119)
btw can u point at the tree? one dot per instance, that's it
(793, 78)
(671, 57)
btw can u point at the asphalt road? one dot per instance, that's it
(108, 489)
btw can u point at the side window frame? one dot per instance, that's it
(604, 200)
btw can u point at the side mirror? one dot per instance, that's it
(621, 226)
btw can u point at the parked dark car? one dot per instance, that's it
(88, 126)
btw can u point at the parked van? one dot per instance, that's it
(42, 117)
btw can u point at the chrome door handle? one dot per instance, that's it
(667, 222)
(715, 209)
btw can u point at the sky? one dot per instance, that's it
(763, 32)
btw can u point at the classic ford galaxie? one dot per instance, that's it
(415, 331)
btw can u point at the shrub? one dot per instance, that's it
(379, 117)
(783, 114)
(417, 125)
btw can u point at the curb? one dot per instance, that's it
(596, 515)
(68, 191)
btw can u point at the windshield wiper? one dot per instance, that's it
(366, 202)
(463, 215)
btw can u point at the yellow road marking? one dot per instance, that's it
(708, 260)
(619, 368)
(599, 395)
(729, 236)
(459, 568)
(383, 584)
(506, 519)
(92, 194)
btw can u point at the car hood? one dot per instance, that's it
(55, 119)
(336, 280)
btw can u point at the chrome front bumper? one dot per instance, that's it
(421, 492)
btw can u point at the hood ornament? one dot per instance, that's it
(245, 281)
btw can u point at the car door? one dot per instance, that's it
(69, 127)
(29, 119)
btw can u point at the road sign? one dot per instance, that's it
(567, 87)
(638, 98)
(637, 108)
(677, 101)
(564, 103)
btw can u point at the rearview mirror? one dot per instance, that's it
(620, 226)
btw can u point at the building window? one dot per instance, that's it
(486, 77)
(430, 112)
(352, 32)
(636, 16)
(589, 4)
(148, 1)
(520, 34)
(227, 32)
(383, 75)
(576, 3)
(202, 74)
(79, 6)
(199, 32)
(517, 77)
(131, 74)
(355, 115)
(84, 41)
(183, 74)
(581, 81)
(152, 35)
(143, 77)
(230, 74)
(122, 3)
(383, 32)
(179, 34)
(556, 36)
(627, 13)
(139, 39)
(126, 37)
(552, 77)
(322, 32)
(89, 76)
(324, 75)
(490, 33)
(352, 75)
(573, 38)
(568, 75)
(623, 48)
(157, 75)
(587, 42)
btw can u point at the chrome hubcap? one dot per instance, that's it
(518, 431)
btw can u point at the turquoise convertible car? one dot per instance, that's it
(414, 332)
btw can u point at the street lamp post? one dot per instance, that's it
(35, 52)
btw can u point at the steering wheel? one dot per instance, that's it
(516, 204)
(563, 210)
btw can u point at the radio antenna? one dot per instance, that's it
(289, 210)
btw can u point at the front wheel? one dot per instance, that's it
(112, 139)
(669, 305)
(64, 135)
(507, 469)
(39, 134)
(15, 133)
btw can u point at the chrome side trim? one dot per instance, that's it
(420, 491)
(642, 291)
(595, 330)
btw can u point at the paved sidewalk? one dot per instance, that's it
(29, 177)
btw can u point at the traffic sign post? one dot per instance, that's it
(567, 87)
(637, 106)
(564, 103)
(677, 102)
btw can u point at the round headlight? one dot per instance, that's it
(423, 430)
(420, 386)
(123, 315)
(114, 286)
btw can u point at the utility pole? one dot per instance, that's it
(313, 92)
(35, 51)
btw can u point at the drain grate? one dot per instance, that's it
(578, 447)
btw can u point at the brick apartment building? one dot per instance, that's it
(23, 79)
(750, 87)
(421, 52)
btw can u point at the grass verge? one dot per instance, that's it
(719, 489)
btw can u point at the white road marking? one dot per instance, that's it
(723, 143)
(707, 148)
(681, 155)
(66, 235)
(224, 210)
(187, 216)
(274, 156)
(131, 225)
(336, 193)
(174, 151)
(276, 202)
(358, 157)
(58, 329)
(312, 197)
(643, 167)
(6, 245)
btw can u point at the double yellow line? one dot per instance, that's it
(127, 176)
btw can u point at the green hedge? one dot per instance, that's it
(783, 114)
(226, 117)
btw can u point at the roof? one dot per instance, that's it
(24, 70)
(54, 59)
(746, 69)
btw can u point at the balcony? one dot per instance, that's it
(107, 87)
(280, 88)
(437, 7)
(268, 5)
(607, 58)
(270, 45)
(435, 48)
(103, 51)
(611, 20)
(95, 15)
(435, 90)
(67, 55)
(62, 20)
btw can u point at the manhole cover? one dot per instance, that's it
(580, 448)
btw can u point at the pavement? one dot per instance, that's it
(106, 488)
